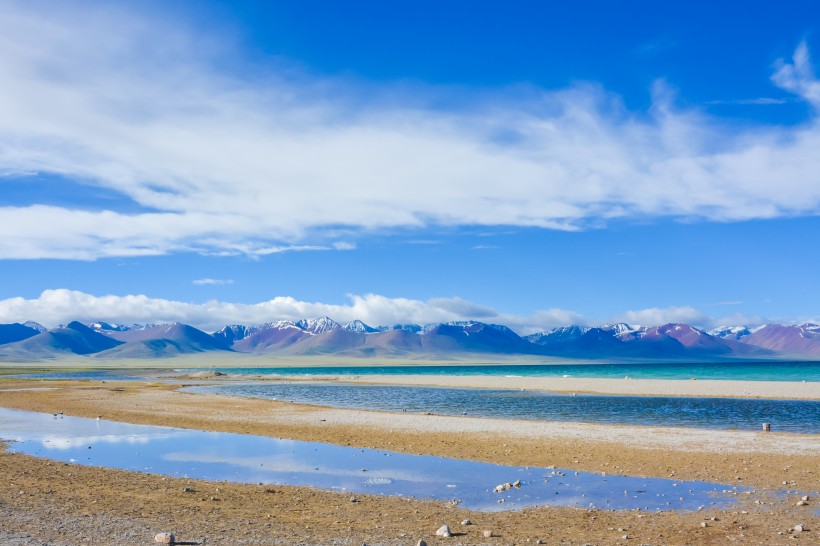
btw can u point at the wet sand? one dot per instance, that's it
(96, 503)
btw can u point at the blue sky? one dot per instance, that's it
(533, 164)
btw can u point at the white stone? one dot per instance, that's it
(165, 538)
(444, 531)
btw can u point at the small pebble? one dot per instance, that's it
(466, 522)
(487, 534)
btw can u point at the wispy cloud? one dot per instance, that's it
(798, 76)
(760, 101)
(207, 282)
(274, 162)
(256, 250)
(16, 174)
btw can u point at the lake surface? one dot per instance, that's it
(748, 371)
(90, 375)
(799, 416)
(808, 371)
(255, 459)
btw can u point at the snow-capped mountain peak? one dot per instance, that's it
(571, 330)
(318, 325)
(101, 326)
(35, 325)
(412, 328)
(360, 327)
(619, 328)
(105, 327)
(730, 332)
(810, 330)
(235, 332)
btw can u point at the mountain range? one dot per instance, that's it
(323, 336)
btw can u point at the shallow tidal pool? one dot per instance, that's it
(256, 459)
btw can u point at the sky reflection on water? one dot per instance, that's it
(255, 459)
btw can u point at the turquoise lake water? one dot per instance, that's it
(749, 371)
(797, 416)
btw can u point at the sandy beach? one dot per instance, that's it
(289, 515)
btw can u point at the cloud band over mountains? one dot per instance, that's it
(209, 152)
(54, 307)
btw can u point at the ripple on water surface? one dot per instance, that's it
(770, 370)
(799, 416)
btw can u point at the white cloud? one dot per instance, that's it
(654, 316)
(60, 306)
(206, 281)
(231, 164)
